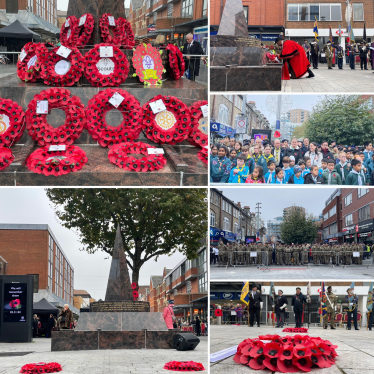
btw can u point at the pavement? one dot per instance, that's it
(351, 272)
(333, 81)
(144, 361)
(355, 348)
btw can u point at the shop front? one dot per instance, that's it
(349, 234)
(225, 236)
(219, 130)
(365, 231)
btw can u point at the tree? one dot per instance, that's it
(153, 221)
(343, 118)
(297, 227)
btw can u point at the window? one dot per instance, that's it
(236, 228)
(205, 7)
(57, 269)
(348, 219)
(304, 12)
(332, 211)
(170, 10)
(212, 219)
(358, 12)
(11, 6)
(326, 216)
(310, 12)
(226, 224)
(245, 9)
(348, 199)
(364, 213)
(223, 114)
(187, 8)
(238, 102)
(361, 192)
(50, 264)
(293, 12)
(211, 196)
(333, 228)
(230, 209)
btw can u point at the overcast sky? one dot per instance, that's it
(63, 4)
(30, 205)
(312, 199)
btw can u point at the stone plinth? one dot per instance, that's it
(120, 306)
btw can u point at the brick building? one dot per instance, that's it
(82, 299)
(3, 266)
(228, 219)
(291, 209)
(185, 286)
(34, 249)
(172, 18)
(332, 219)
(298, 115)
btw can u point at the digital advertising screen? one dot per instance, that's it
(250, 239)
(15, 302)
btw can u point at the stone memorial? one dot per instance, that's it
(238, 63)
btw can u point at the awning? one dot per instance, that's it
(54, 300)
(194, 23)
(43, 306)
(17, 30)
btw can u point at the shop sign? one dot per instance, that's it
(366, 226)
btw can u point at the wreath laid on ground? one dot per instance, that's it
(203, 155)
(105, 30)
(58, 98)
(128, 40)
(41, 367)
(295, 329)
(169, 126)
(120, 156)
(114, 70)
(128, 130)
(148, 64)
(73, 72)
(287, 354)
(6, 157)
(176, 61)
(28, 70)
(83, 32)
(184, 366)
(198, 135)
(11, 122)
(68, 34)
(42, 161)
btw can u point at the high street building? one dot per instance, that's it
(273, 228)
(298, 115)
(332, 219)
(291, 209)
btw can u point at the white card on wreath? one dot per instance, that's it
(67, 24)
(205, 110)
(22, 55)
(63, 51)
(155, 151)
(111, 20)
(157, 106)
(106, 51)
(116, 100)
(56, 148)
(32, 62)
(42, 107)
(82, 20)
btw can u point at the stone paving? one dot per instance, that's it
(293, 272)
(99, 362)
(355, 348)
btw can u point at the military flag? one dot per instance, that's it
(244, 297)
(309, 292)
(369, 302)
(315, 29)
(364, 33)
(330, 35)
(340, 36)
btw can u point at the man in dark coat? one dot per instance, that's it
(293, 150)
(254, 306)
(314, 51)
(326, 151)
(35, 326)
(298, 301)
(65, 318)
(278, 153)
(363, 55)
(192, 47)
(280, 308)
(50, 325)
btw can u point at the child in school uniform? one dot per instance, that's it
(220, 166)
(330, 175)
(233, 158)
(308, 164)
(286, 168)
(238, 147)
(355, 176)
(240, 172)
(323, 168)
(267, 156)
(279, 176)
(270, 175)
(301, 163)
(249, 163)
(214, 151)
(342, 167)
(297, 177)
(257, 176)
(313, 177)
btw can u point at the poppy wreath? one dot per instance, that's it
(119, 155)
(176, 61)
(169, 126)
(41, 367)
(105, 30)
(218, 313)
(6, 157)
(58, 98)
(203, 155)
(152, 72)
(57, 163)
(71, 77)
(83, 33)
(184, 366)
(97, 79)
(106, 135)
(69, 39)
(128, 40)
(197, 135)
(287, 354)
(12, 132)
(32, 73)
(295, 329)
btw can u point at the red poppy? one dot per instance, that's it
(300, 351)
(271, 363)
(75, 121)
(203, 155)
(127, 131)
(99, 79)
(198, 135)
(135, 294)
(118, 30)
(27, 71)
(257, 350)
(318, 360)
(169, 126)
(83, 33)
(277, 134)
(272, 349)
(257, 363)
(12, 122)
(303, 363)
(218, 313)
(287, 352)
(134, 286)
(68, 34)
(184, 366)
(176, 61)
(295, 329)
(287, 366)
(324, 349)
(41, 367)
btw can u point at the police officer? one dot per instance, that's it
(298, 301)
(332, 300)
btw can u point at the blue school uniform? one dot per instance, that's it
(305, 172)
(240, 177)
(287, 173)
(267, 176)
(233, 162)
(299, 180)
(320, 172)
(277, 181)
(250, 164)
(220, 168)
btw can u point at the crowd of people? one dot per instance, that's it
(289, 255)
(258, 161)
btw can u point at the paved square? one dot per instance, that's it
(355, 348)
(144, 361)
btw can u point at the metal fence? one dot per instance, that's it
(245, 258)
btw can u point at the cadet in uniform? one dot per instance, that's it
(331, 302)
(328, 49)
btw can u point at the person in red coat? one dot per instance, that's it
(169, 316)
(295, 55)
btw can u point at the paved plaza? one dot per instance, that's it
(144, 361)
(355, 348)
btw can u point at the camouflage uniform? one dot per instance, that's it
(287, 257)
(296, 255)
(316, 256)
(221, 253)
(279, 254)
(259, 255)
(238, 255)
(330, 310)
(348, 255)
(270, 254)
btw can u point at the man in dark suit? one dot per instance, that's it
(280, 308)
(315, 51)
(298, 301)
(254, 306)
(278, 153)
(192, 47)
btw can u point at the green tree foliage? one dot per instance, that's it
(344, 118)
(299, 228)
(153, 221)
